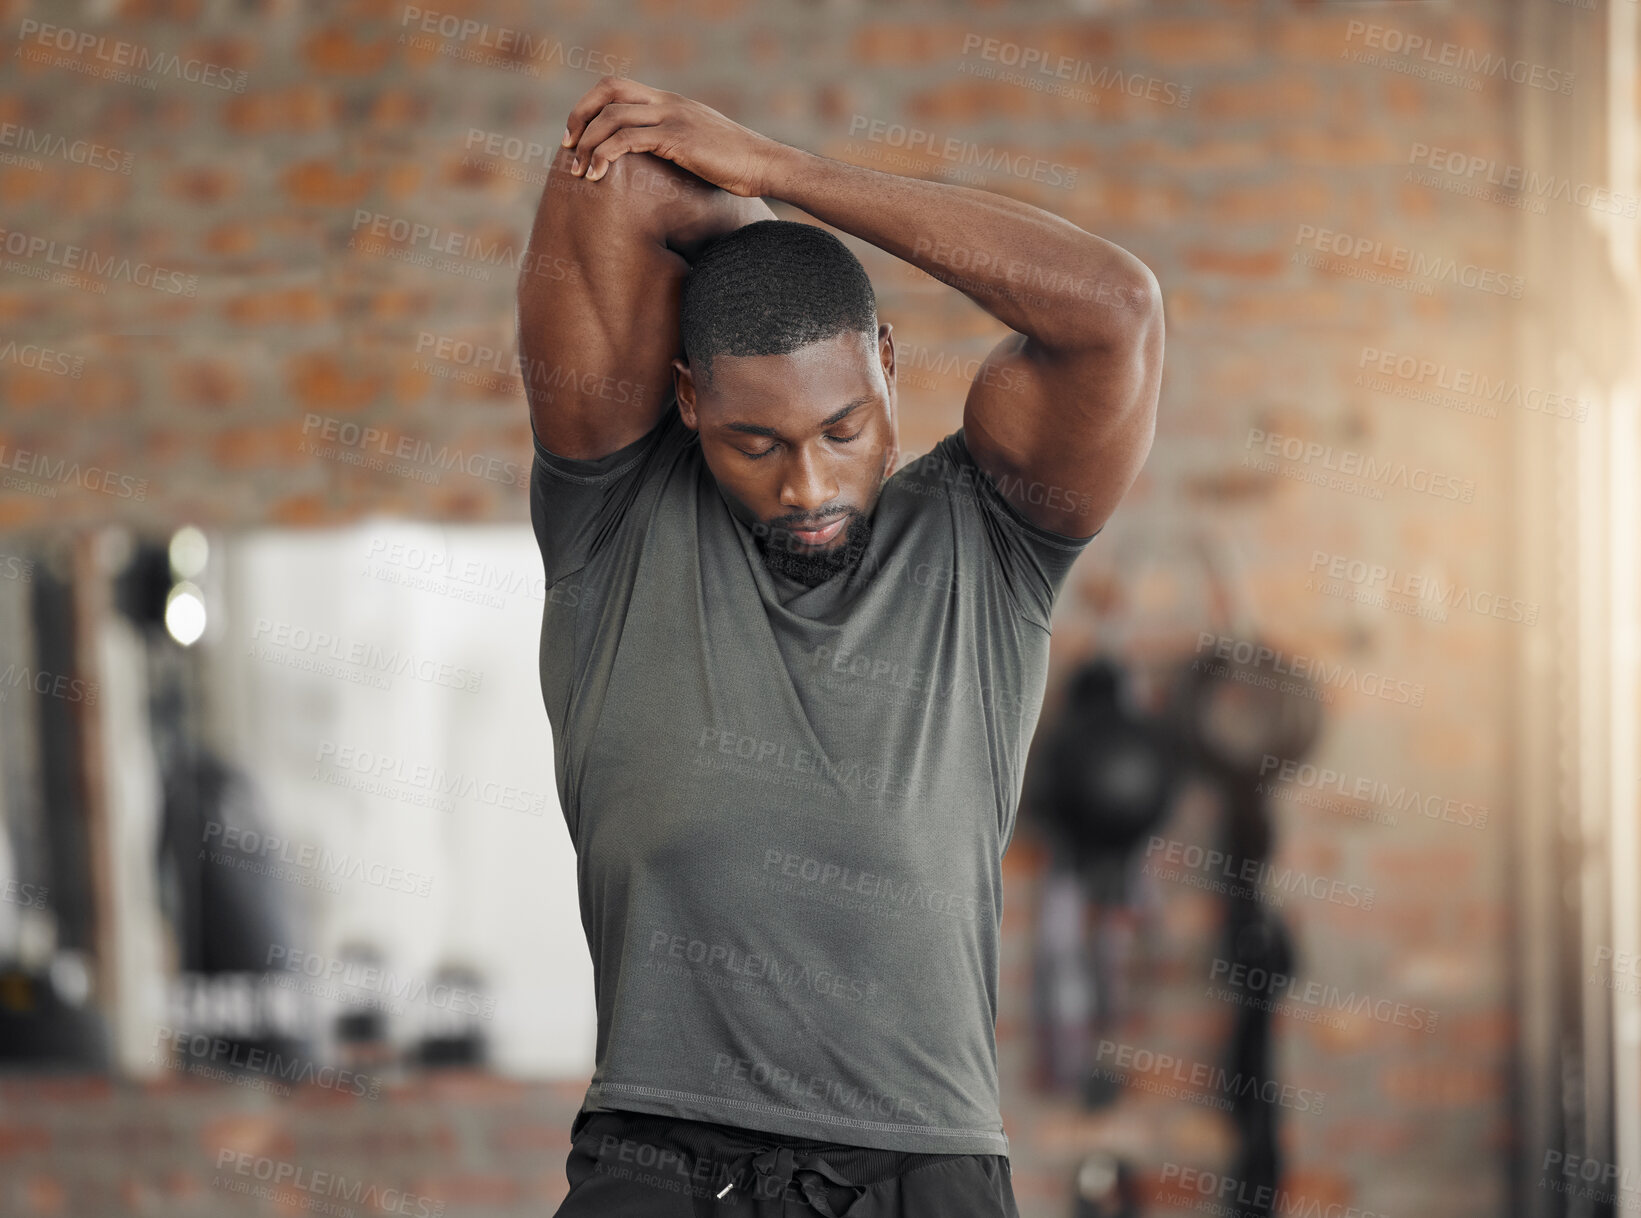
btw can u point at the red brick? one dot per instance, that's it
(400, 107)
(62, 1088)
(20, 185)
(1418, 202)
(1328, 1189)
(301, 511)
(1318, 41)
(1490, 1032)
(339, 52)
(26, 109)
(1381, 1137)
(203, 185)
(236, 53)
(160, 10)
(1091, 43)
(531, 1136)
(269, 446)
(899, 44)
(460, 502)
(1196, 153)
(1441, 1085)
(466, 1190)
(323, 184)
(28, 390)
(1112, 200)
(1296, 307)
(1259, 264)
(232, 237)
(207, 384)
(320, 381)
(45, 1194)
(764, 47)
(19, 511)
(289, 306)
(1295, 97)
(623, 43)
(679, 51)
(1443, 745)
(308, 106)
(1312, 145)
(962, 100)
(18, 1139)
(256, 1133)
(1196, 40)
(693, 10)
(1403, 97)
(1448, 864)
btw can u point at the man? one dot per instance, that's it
(791, 695)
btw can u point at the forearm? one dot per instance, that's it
(1038, 274)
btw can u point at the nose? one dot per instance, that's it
(806, 483)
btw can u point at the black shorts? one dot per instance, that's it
(639, 1165)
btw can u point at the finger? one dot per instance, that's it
(628, 139)
(608, 89)
(609, 120)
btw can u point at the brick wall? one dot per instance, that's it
(282, 310)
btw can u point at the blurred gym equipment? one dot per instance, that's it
(1234, 713)
(1103, 779)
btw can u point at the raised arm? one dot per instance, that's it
(598, 293)
(1062, 412)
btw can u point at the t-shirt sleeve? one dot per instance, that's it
(1033, 561)
(577, 506)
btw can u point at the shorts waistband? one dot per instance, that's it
(732, 1150)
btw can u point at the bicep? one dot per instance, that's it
(1064, 436)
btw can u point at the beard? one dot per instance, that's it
(812, 567)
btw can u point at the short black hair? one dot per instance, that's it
(768, 288)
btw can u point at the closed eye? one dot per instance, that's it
(836, 439)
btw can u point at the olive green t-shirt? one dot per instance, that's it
(789, 804)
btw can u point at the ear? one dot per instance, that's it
(683, 385)
(886, 359)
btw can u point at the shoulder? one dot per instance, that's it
(667, 437)
(951, 471)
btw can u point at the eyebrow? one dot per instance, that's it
(754, 429)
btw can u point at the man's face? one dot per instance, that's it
(800, 445)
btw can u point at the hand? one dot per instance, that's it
(619, 115)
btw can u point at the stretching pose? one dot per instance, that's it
(791, 686)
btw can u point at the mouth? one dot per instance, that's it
(822, 535)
